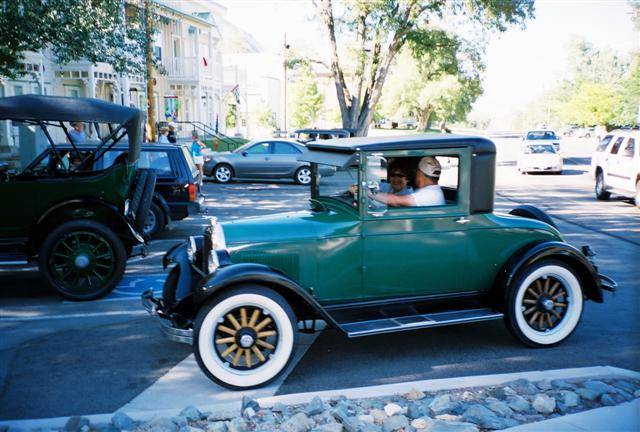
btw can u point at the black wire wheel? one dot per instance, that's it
(245, 338)
(545, 303)
(82, 260)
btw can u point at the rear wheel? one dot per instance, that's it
(82, 260)
(223, 173)
(601, 188)
(544, 303)
(155, 220)
(303, 175)
(245, 338)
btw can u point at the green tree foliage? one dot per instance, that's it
(412, 88)
(629, 95)
(365, 36)
(306, 97)
(95, 30)
(591, 104)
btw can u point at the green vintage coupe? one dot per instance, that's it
(79, 220)
(240, 293)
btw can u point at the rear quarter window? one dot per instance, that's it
(158, 161)
(190, 163)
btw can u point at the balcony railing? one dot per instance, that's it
(183, 67)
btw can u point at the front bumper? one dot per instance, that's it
(607, 284)
(156, 309)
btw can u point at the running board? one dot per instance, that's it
(411, 322)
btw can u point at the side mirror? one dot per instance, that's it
(244, 153)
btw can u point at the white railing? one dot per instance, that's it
(183, 67)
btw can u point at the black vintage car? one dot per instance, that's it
(177, 192)
(77, 219)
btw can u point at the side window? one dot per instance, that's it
(604, 143)
(109, 158)
(616, 145)
(285, 148)
(629, 148)
(157, 160)
(427, 181)
(262, 148)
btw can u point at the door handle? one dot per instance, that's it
(462, 220)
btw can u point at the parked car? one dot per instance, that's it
(177, 192)
(80, 223)
(584, 132)
(539, 158)
(306, 135)
(261, 160)
(238, 293)
(615, 165)
(541, 137)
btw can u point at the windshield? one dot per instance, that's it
(539, 149)
(340, 183)
(541, 135)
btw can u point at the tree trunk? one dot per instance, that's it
(424, 119)
(151, 83)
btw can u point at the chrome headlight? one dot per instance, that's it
(213, 240)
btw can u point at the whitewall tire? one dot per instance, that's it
(544, 303)
(245, 338)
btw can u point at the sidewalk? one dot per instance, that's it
(619, 418)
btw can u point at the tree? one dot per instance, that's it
(73, 29)
(412, 88)
(307, 99)
(376, 30)
(629, 92)
(592, 104)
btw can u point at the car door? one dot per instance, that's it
(417, 251)
(623, 170)
(614, 175)
(254, 161)
(284, 159)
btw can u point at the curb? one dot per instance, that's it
(233, 410)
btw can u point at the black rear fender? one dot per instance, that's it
(564, 252)
(82, 208)
(303, 304)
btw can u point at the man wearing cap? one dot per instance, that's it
(428, 192)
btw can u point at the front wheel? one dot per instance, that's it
(82, 260)
(601, 188)
(544, 303)
(245, 338)
(303, 175)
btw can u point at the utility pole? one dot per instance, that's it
(284, 65)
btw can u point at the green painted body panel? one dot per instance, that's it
(26, 199)
(338, 257)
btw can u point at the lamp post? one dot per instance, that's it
(286, 46)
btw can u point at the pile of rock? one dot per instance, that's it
(464, 410)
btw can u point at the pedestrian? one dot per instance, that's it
(172, 136)
(164, 135)
(76, 134)
(196, 152)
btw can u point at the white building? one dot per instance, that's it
(188, 47)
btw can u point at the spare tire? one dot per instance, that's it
(531, 212)
(138, 189)
(144, 205)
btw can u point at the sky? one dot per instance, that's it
(521, 64)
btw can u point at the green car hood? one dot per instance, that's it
(277, 228)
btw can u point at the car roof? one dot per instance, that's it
(406, 142)
(540, 131)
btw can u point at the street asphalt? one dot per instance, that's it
(61, 358)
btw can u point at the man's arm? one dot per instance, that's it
(396, 200)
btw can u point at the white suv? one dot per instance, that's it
(615, 165)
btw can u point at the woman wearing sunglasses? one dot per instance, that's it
(398, 182)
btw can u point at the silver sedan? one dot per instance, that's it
(269, 159)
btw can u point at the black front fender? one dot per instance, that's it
(586, 271)
(248, 273)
